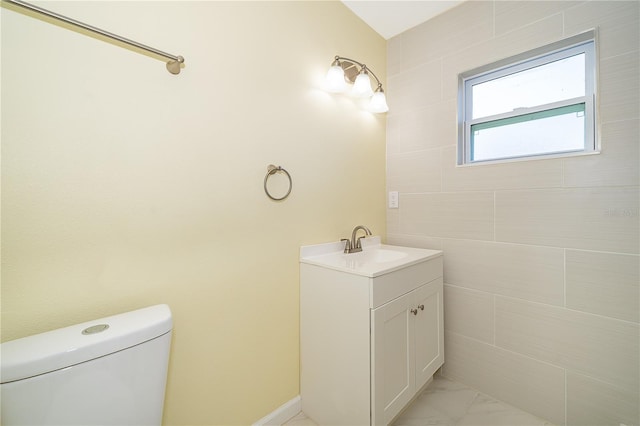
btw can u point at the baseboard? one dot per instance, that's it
(281, 414)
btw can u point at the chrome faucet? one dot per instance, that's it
(355, 245)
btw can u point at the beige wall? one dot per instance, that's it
(124, 186)
(541, 257)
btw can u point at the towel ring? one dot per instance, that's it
(271, 170)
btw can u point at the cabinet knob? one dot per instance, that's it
(421, 307)
(414, 311)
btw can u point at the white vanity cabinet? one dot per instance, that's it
(406, 348)
(371, 332)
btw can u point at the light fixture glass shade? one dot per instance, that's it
(378, 103)
(335, 82)
(362, 86)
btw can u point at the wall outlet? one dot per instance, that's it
(393, 199)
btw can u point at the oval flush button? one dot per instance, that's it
(95, 329)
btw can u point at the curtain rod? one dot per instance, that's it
(173, 66)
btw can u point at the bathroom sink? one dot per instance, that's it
(377, 255)
(375, 258)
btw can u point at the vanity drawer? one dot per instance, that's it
(387, 287)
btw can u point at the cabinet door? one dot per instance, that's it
(429, 338)
(392, 353)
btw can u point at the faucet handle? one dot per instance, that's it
(359, 243)
(347, 245)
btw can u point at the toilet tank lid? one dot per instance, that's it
(64, 347)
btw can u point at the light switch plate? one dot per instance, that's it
(393, 199)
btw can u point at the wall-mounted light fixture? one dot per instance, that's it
(344, 70)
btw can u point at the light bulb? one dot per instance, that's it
(362, 86)
(378, 103)
(335, 82)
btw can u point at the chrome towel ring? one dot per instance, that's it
(271, 170)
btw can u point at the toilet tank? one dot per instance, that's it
(110, 371)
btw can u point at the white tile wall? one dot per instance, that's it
(536, 387)
(603, 219)
(619, 87)
(426, 165)
(512, 175)
(592, 402)
(414, 241)
(414, 86)
(541, 257)
(469, 313)
(511, 16)
(425, 43)
(421, 129)
(618, 164)
(604, 283)
(618, 23)
(448, 214)
(593, 345)
(523, 271)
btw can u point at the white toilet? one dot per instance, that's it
(111, 371)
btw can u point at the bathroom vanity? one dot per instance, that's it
(371, 330)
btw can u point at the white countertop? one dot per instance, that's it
(374, 260)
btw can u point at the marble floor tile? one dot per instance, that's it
(445, 402)
(486, 411)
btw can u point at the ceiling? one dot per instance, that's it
(389, 18)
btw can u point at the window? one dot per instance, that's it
(541, 103)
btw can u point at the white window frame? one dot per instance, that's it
(582, 43)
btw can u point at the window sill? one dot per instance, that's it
(530, 158)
